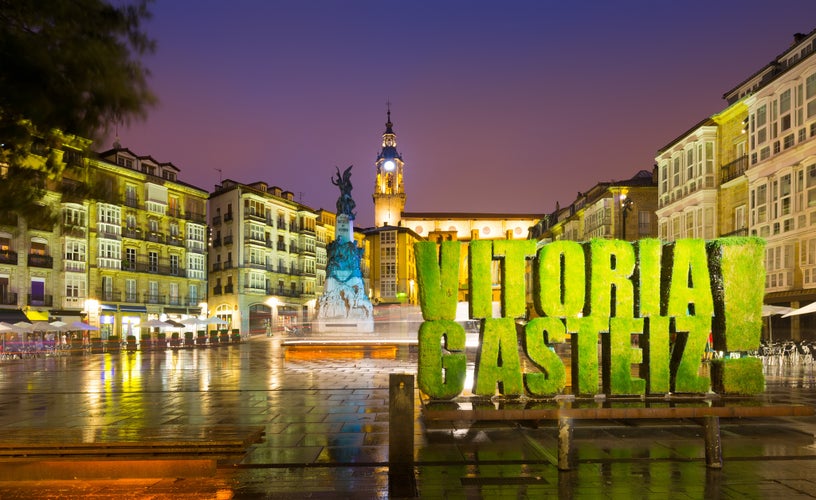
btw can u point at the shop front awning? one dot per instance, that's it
(133, 309)
(34, 315)
(12, 316)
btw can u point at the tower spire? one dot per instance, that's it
(389, 195)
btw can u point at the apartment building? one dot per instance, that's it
(264, 256)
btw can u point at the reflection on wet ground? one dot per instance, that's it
(326, 423)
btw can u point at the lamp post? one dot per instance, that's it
(626, 207)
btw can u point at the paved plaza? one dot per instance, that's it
(324, 412)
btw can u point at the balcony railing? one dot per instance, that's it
(195, 217)
(154, 298)
(733, 169)
(8, 257)
(216, 220)
(8, 299)
(109, 295)
(40, 300)
(227, 216)
(36, 260)
(228, 239)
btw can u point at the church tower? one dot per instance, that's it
(389, 192)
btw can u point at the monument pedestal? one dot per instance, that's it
(344, 306)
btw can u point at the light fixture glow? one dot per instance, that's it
(389, 165)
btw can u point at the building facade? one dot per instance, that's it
(129, 244)
(762, 148)
(264, 256)
(147, 244)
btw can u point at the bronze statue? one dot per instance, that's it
(345, 203)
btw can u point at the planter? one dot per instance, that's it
(114, 344)
(223, 336)
(201, 338)
(76, 347)
(146, 343)
(174, 340)
(161, 343)
(213, 337)
(97, 347)
(188, 339)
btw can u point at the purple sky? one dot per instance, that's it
(497, 106)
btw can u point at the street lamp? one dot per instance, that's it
(626, 207)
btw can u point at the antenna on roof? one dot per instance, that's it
(116, 143)
(300, 196)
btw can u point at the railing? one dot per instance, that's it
(216, 242)
(227, 216)
(8, 299)
(216, 220)
(228, 289)
(216, 266)
(195, 217)
(36, 260)
(155, 237)
(217, 290)
(109, 295)
(151, 298)
(146, 266)
(40, 300)
(282, 292)
(8, 257)
(228, 239)
(733, 169)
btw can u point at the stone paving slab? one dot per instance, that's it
(326, 430)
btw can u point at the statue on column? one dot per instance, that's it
(345, 203)
(344, 305)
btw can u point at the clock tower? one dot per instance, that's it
(389, 192)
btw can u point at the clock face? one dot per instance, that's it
(389, 165)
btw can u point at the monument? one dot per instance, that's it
(344, 306)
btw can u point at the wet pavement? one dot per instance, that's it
(325, 417)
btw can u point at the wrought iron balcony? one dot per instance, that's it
(36, 260)
(8, 257)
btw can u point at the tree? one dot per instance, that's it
(69, 70)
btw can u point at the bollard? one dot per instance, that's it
(401, 418)
(713, 447)
(565, 451)
(401, 478)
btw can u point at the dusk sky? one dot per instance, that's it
(498, 106)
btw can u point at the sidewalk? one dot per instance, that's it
(325, 416)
